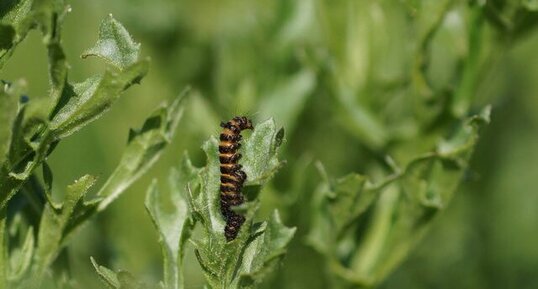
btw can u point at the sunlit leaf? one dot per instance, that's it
(117, 280)
(106, 275)
(115, 44)
(143, 149)
(20, 259)
(173, 224)
(92, 98)
(55, 221)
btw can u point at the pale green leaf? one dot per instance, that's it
(93, 97)
(4, 256)
(115, 44)
(55, 222)
(106, 275)
(20, 258)
(143, 149)
(264, 252)
(259, 152)
(117, 280)
(128, 281)
(359, 120)
(174, 225)
(81, 103)
(337, 206)
(294, 93)
(532, 5)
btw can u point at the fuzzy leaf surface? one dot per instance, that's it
(115, 44)
(173, 224)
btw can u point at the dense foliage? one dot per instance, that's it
(367, 116)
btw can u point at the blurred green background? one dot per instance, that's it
(341, 77)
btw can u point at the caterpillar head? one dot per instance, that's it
(244, 122)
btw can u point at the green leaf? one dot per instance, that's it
(115, 44)
(4, 252)
(244, 261)
(531, 5)
(90, 99)
(294, 92)
(81, 103)
(60, 220)
(173, 224)
(106, 275)
(466, 90)
(402, 207)
(513, 18)
(357, 119)
(24, 153)
(47, 180)
(144, 147)
(265, 252)
(14, 26)
(128, 281)
(49, 15)
(8, 107)
(20, 258)
(55, 223)
(19, 17)
(58, 68)
(337, 206)
(69, 108)
(260, 161)
(117, 280)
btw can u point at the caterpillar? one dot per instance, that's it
(232, 177)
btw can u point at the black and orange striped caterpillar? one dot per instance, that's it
(232, 177)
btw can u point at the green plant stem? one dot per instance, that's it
(3, 250)
(420, 82)
(467, 87)
(9, 185)
(369, 254)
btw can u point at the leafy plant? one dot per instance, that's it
(365, 228)
(32, 127)
(391, 95)
(194, 195)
